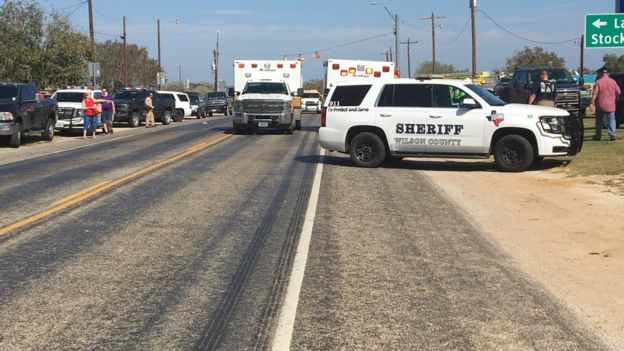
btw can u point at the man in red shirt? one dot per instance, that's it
(606, 92)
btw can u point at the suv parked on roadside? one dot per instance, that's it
(21, 111)
(195, 100)
(390, 119)
(130, 107)
(182, 104)
(217, 101)
(619, 107)
(70, 107)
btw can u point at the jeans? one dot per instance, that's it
(89, 121)
(600, 116)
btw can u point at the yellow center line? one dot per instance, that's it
(95, 189)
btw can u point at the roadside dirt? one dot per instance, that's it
(567, 233)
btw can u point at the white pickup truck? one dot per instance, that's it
(264, 105)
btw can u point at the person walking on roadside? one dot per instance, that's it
(89, 112)
(149, 115)
(606, 92)
(108, 112)
(543, 92)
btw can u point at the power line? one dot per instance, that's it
(103, 14)
(342, 45)
(460, 33)
(79, 4)
(521, 37)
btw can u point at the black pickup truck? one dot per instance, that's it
(130, 107)
(21, 111)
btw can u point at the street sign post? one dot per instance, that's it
(94, 72)
(604, 30)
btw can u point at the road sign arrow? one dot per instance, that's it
(599, 23)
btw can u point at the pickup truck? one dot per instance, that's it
(130, 107)
(21, 111)
(264, 105)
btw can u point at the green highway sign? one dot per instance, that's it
(604, 30)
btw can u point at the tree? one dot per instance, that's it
(315, 84)
(440, 68)
(534, 57)
(613, 62)
(142, 69)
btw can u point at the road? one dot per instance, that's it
(183, 238)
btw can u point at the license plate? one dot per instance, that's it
(59, 125)
(263, 124)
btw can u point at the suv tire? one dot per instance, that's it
(48, 132)
(209, 114)
(178, 116)
(367, 150)
(135, 120)
(513, 153)
(166, 118)
(15, 140)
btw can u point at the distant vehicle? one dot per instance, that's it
(311, 101)
(195, 99)
(267, 71)
(264, 105)
(619, 112)
(21, 111)
(386, 120)
(569, 94)
(217, 101)
(70, 114)
(130, 107)
(353, 70)
(503, 84)
(182, 103)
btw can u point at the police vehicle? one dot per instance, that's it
(385, 120)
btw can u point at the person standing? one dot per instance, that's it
(543, 92)
(108, 112)
(89, 112)
(606, 92)
(149, 107)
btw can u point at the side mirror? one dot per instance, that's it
(469, 103)
(300, 92)
(237, 93)
(231, 92)
(293, 94)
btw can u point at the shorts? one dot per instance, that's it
(107, 116)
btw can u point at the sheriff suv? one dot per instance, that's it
(386, 120)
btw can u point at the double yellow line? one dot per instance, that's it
(95, 189)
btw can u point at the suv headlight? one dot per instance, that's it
(286, 105)
(552, 124)
(6, 116)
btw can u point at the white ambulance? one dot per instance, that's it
(353, 70)
(267, 71)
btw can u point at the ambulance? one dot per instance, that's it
(352, 70)
(268, 71)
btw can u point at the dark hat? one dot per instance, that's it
(603, 69)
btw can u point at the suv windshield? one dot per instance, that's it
(559, 75)
(483, 93)
(311, 96)
(216, 95)
(8, 92)
(126, 95)
(265, 88)
(69, 97)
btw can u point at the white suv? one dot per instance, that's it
(311, 101)
(182, 103)
(389, 119)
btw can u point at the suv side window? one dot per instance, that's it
(447, 96)
(405, 95)
(97, 95)
(28, 93)
(349, 95)
(183, 97)
(522, 78)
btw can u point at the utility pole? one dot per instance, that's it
(91, 32)
(125, 53)
(582, 56)
(409, 59)
(474, 40)
(396, 41)
(159, 62)
(216, 61)
(390, 53)
(432, 19)
(180, 76)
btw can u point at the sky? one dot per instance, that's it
(270, 29)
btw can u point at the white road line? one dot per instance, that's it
(286, 322)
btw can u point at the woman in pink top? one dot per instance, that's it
(606, 92)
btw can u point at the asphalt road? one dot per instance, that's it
(196, 254)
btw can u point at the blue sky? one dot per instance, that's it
(271, 28)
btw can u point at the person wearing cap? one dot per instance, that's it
(543, 92)
(606, 92)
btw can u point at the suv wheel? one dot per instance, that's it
(367, 150)
(209, 114)
(135, 120)
(178, 116)
(16, 138)
(166, 118)
(48, 132)
(513, 153)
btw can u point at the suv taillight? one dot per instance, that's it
(324, 117)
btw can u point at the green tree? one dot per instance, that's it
(142, 69)
(315, 84)
(440, 68)
(613, 62)
(534, 57)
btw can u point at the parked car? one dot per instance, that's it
(130, 107)
(181, 102)
(70, 107)
(619, 108)
(195, 99)
(217, 101)
(22, 111)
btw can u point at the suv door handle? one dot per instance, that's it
(431, 116)
(383, 115)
